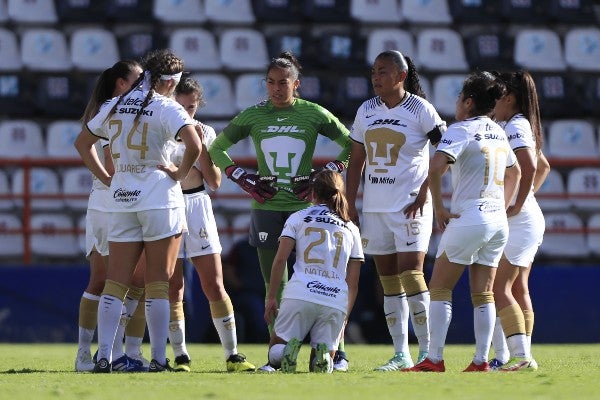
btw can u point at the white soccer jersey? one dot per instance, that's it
(479, 152)
(324, 244)
(138, 184)
(397, 155)
(208, 137)
(99, 196)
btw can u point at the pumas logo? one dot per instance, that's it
(262, 236)
(283, 129)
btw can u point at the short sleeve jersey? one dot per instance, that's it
(284, 139)
(137, 147)
(324, 245)
(479, 154)
(208, 137)
(397, 155)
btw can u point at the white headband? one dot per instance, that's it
(175, 77)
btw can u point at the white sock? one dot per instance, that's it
(440, 315)
(109, 314)
(499, 343)
(85, 339)
(133, 345)
(177, 337)
(157, 318)
(129, 307)
(517, 345)
(484, 318)
(227, 333)
(396, 314)
(276, 355)
(419, 316)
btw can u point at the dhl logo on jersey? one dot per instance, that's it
(283, 129)
(395, 122)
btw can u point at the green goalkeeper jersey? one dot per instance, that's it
(285, 140)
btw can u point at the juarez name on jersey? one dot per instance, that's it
(285, 140)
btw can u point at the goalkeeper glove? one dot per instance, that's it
(301, 184)
(261, 188)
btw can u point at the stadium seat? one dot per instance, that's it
(379, 40)
(3, 11)
(77, 11)
(76, 181)
(327, 11)
(572, 11)
(469, 11)
(218, 94)
(277, 10)
(45, 49)
(344, 50)
(42, 181)
(489, 50)
(250, 89)
(552, 195)
(60, 137)
(129, 10)
(583, 187)
(305, 49)
(425, 12)
(377, 12)
(593, 236)
(564, 236)
(60, 95)
(441, 49)
(243, 50)
(16, 94)
(529, 12)
(591, 90)
(554, 91)
(50, 241)
(93, 49)
(11, 244)
(240, 226)
(318, 89)
(446, 89)
(10, 55)
(197, 47)
(539, 49)
(569, 138)
(179, 12)
(135, 45)
(5, 203)
(352, 91)
(32, 12)
(21, 138)
(237, 12)
(582, 49)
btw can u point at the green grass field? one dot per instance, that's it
(45, 371)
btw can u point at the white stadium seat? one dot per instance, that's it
(179, 12)
(441, 49)
(77, 181)
(250, 89)
(446, 89)
(197, 47)
(60, 138)
(237, 12)
(243, 49)
(42, 181)
(572, 138)
(425, 12)
(11, 244)
(218, 94)
(552, 194)
(539, 49)
(45, 49)
(564, 236)
(582, 49)
(10, 55)
(93, 49)
(34, 12)
(593, 237)
(383, 39)
(49, 242)
(583, 188)
(381, 11)
(21, 138)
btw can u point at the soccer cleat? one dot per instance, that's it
(126, 364)
(429, 366)
(483, 367)
(267, 369)
(422, 356)
(83, 362)
(139, 357)
(155, 366)
(399, 362)
(517, 364)
(238, 363)
(102, 367)
(182, 363)
(323, 362)
(533, 365)
(290, 354)
(340, 362)
(495, 364)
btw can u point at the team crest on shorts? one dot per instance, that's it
(262, 236)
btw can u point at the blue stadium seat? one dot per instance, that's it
(554, 91)
(572, 12)
(327, 11)
(60, 95)
(129, 10)
(16, 94)
(489, 50)
(352, 91)
(77, 11)
(591, 90)
(342, 51)
(134, 45)
(475, 12)
(276, 11)
(298, 43)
